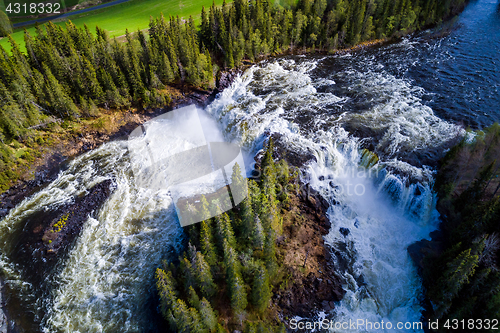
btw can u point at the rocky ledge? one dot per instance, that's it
(62, 230)
(312, 282)
(49, 235)
(47, 238)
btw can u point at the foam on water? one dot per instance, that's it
(104, 284)
(385, 208)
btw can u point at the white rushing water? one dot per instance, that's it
(383, 211)
(105, 283)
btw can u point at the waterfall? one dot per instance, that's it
(384, 201)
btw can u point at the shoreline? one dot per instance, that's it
(45, 168)
(54, 159)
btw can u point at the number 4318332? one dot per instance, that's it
(472, 324)
(33, 8)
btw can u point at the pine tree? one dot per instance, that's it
(174, 60)
(261, 290)
(231, 262)
(166, 289)
(207, 314)
(205, 33)
(5, 25)
(165, 69)
(269, 202)
(239, 188)
(238, 294)
(196, 324)
(258, 236)
(187, 272)
(207, 243)
(203, 275)
(254, 195)
(270, 251)
(180, 317)
(225, 230)
(55, 98)
(247, 218)
(457, 273)
(193, 298)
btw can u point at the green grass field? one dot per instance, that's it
(132, 15)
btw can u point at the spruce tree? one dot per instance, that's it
(166, 289)
(261, 290)
(270, 251)
(258, 236)
(196, 323)
(239, 188)
(194, 300)
(207, 314)
(456, 274)
(238, 294)
(55, 98)
(225, 230)
(203, 276)
(207, 242)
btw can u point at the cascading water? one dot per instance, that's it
(377, 210)
(104, 284)
(384, 205)
(332, 107)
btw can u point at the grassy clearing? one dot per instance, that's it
(132, 15)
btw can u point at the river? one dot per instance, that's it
(407, 102)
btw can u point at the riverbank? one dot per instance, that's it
(66, 140)
(258, 265)
(459, 265)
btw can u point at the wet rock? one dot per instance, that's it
(325, 305)
(282, 150)
(66, 226)
(344, 231)
(419, 250)
(226, 78)
(43, 242)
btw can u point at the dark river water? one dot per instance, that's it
(406, 102)
(457, 65)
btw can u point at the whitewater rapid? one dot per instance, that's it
(106, 283)
(386, 206)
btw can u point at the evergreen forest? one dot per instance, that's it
(71, 73)
(226, 277)
(463, 279)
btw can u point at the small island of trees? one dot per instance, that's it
(227, 275)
